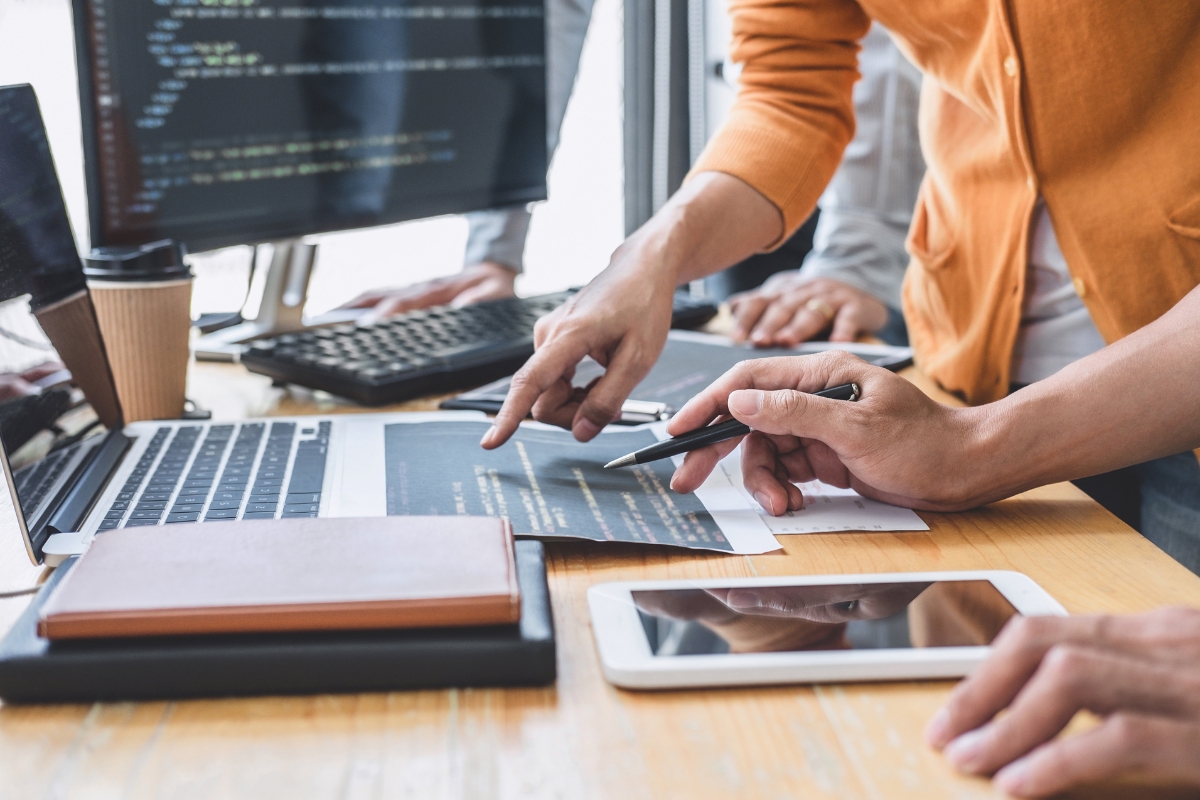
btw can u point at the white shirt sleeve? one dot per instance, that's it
(867, 208)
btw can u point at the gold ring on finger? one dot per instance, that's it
(819, 306)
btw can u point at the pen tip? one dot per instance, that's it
(623, 461)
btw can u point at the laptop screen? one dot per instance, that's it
(44, 419)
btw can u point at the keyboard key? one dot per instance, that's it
(224, 504)
(155, 496)
(108, 524)
(265, 491)
(298, 508)
(221, 513)
(190, 498)
(259, 515)
(146, 515)
(298, 514)
(119, 504)
(261, 481)
(228, 496)
(307, 476)
(187, 508)
(149, 506)
(191, 516)
(115, 513)
(125, 495)
(257, 507)
(140, 523)
(304, 497)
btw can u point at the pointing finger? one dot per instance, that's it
(545, 368)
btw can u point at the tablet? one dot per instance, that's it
(810, 629)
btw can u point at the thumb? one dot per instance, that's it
(782, 412)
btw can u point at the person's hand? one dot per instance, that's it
(621, 318)
(475, 284)
(894, 444)
(745, 633)
(791, 308)
(1140, 673)
(826, 604)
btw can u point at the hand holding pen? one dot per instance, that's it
(894, 444)
(714, 434)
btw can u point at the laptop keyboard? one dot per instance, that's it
(214, 473)
(34, 481)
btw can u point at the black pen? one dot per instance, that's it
(711, 434)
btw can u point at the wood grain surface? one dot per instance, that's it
(583, 738)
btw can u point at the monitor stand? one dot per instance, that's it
(282, 307)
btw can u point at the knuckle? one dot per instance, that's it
(522, 380)
(839, 359)
(1027, 633)
(787, 402)
(602, 410)
(1064, 666)
(1129, 731)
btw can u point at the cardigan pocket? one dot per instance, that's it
(932, 236)
(1186, 219)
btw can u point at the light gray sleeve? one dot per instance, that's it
(868, 206)
(499, 235)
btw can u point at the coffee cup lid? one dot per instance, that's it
(155, 261)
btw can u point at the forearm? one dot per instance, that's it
(1133, 401)
(713, 221)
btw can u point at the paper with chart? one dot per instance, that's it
(826, 508)
(551, 486)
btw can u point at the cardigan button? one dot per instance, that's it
(1010, 66)
(1080, 286)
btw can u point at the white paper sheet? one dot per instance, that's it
(826, 508)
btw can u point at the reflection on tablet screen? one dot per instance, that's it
(765, 619)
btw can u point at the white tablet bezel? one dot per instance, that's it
(627, 661)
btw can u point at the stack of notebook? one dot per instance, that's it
(286, 606)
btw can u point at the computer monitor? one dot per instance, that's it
(222, 122)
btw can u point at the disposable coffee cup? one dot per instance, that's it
(143, 300)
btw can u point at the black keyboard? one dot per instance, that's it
(422, 352)
(248, 471)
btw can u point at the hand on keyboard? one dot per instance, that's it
(475, 284)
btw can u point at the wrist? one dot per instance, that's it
(713, 221)
(999, 460)
(489, 270)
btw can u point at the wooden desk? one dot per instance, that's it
(582, 738)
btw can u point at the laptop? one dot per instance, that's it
(73, 468)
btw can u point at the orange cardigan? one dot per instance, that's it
(1093, 104)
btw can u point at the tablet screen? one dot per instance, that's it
(762, 619)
